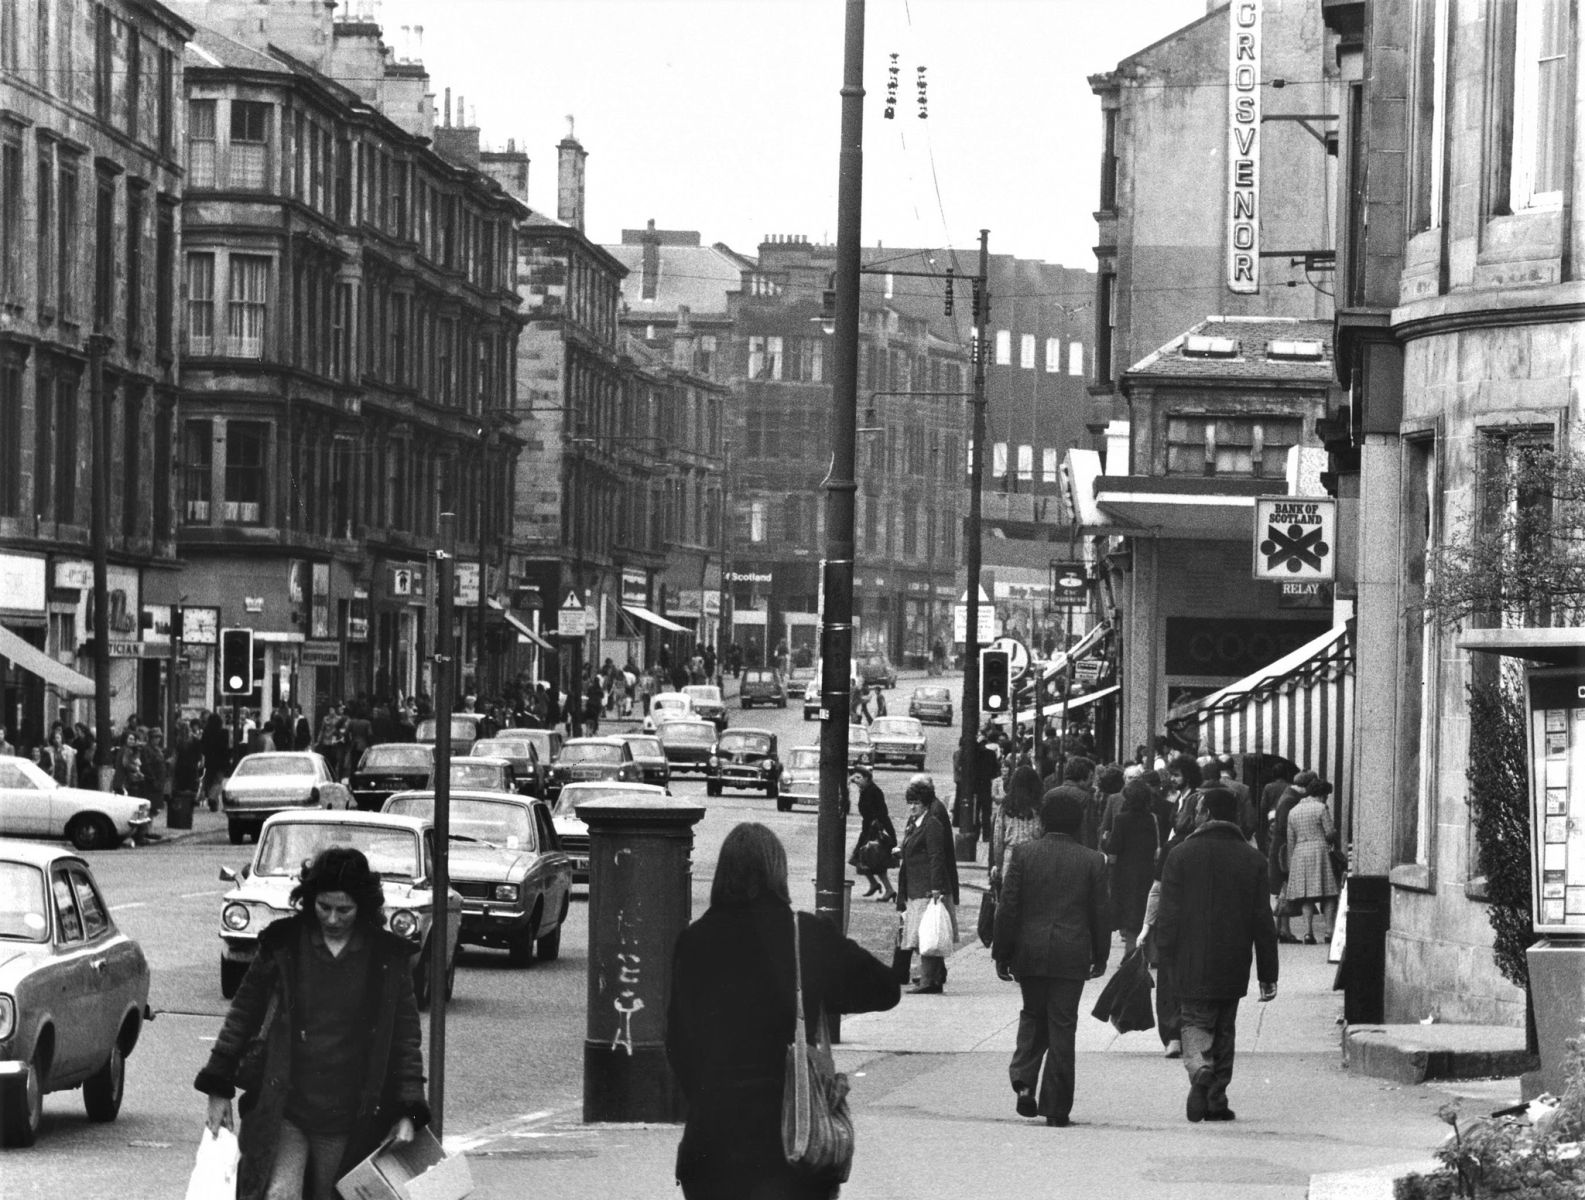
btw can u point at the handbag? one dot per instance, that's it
(987, 925)
(1339, 861)
(250, 1066)
(816, 1126)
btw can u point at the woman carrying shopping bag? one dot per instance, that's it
(872, 850)
(929, 874)
(322, 1039)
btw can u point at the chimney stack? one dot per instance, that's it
(649, 285)
(569, 179)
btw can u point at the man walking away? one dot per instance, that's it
(1053, 931)
(1213, 911)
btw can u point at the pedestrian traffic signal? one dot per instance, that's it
(994, 681)
(236, 662)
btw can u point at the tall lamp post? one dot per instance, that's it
(968, 756)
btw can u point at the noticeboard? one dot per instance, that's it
(1555, 707)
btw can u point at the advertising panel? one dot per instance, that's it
(1555, 706)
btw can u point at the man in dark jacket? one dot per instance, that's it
(1213, 912)
(1053, 931)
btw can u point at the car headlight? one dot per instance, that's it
(8, 1017)
(714, 761)
(404, 924)
(764, 766)
(506, 892)
(235, 916)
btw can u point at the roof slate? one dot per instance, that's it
(1252, 361)
(697, 276)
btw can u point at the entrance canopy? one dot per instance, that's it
(1055, 708)
(33, 660)
(519, 624)
(655, 619)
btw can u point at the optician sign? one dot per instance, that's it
(1243, 150)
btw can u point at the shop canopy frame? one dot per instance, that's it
(30, 658)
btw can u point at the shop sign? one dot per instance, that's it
(319, 613)
(748, 576)
(358, 615)
(156, 624)
(712, 603)
(1243, 147)
(200, 626)
(319, 654)
(1295, 538)
(122, 649)
(77, 575)
(1312, 594)
(406, 581)
(21, 583)
(296, 580)
(1070, 585)
(465, 584)
(682, 602)
(253, 604)
(635, 588)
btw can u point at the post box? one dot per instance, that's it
(640, 899)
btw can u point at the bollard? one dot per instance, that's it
(179, 810)
(640, 899)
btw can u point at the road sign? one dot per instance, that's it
(572, 620)
(1295, 538)
(960, 623)
(1017, 656)
(1070, 585)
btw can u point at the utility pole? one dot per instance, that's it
(968, 748)
(836, 628)
(99, 486)
(439, 936)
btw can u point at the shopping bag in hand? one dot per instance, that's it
(987, 925)
(1125, 1000)
(214, 1174)
(935, 931)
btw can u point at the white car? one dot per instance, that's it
(898, 740)
(271, 782)
(573, 834)
(707, 703)
(667, 706)
(400, 848)
(33, 805)
(800, 778)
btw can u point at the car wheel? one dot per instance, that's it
(712, 788)
(520, 950)
(231, 974)
(103, 1089)
(548, 948)
(773, 790)
(22, 1106)
(235, 832)
(784, 804)
(91, 831)
(781, 704)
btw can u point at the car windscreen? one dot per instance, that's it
(571, 753)
(710, 695)
(287, 845)
(494, 822)
(893, 726)
(274, 764)
(858, 733)
(496, 748)
(806, 759)
(24, 908)
(397, 757)
(678, 734)
(461, 729)
(753, 743)
(932, 693)
(570, 798)
(647, 747)
(465, 774)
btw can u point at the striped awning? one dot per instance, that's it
(1300, 707)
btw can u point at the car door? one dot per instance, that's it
(76, 987)
(556, 865)
(115, 961)
(24, 805)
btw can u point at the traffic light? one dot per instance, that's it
(994, 681)
(236, 662)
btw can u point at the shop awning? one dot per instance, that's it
(33, 660)
(520, 625)
(655, 619)
(1059, 660)
(1300, 707)
(1076, 704)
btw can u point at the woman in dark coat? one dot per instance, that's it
(929, 872)
(875, 825)
(730, 1020)
(343, 1066)
(217, 758)
(1132, 849)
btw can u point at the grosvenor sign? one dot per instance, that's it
(1243, 158)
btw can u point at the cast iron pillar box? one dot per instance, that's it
(640, 899)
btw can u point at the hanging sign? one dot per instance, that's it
(1295, 538)
(1243, 148)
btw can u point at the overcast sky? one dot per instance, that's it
(723, 115)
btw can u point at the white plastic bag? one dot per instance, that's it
(935, 931)
(214, 1174)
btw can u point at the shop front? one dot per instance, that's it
(36, 687)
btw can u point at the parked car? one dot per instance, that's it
(745, 760)
(860, 750)
(688, 743)
(800, 777)
(571, 830)
(33, 805)
(587, 758)
(273, 781)
(74, 989)
(666, 706)
(531, 771)
(400, 848)
(464, 731)
(800, 680)
(506, 861)
(931, 703)
(476, 773)
(761, 685)
(650, 756)
(898, 740)
(388, 768)
(874, 669)
(707, 703)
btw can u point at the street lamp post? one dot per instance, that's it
(968, 757)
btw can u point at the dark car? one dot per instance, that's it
(588, 758)
(745, 760)
(761, 685)
(688, 743)
(532, 772)
(874, 669)
(931, 703)
(389, 768)
(650, 756)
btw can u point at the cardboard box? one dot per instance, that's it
(420, 1170)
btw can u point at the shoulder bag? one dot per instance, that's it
(250, 1067)
(816, 1126)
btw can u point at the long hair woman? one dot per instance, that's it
(731, 1019)
(331, 991)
